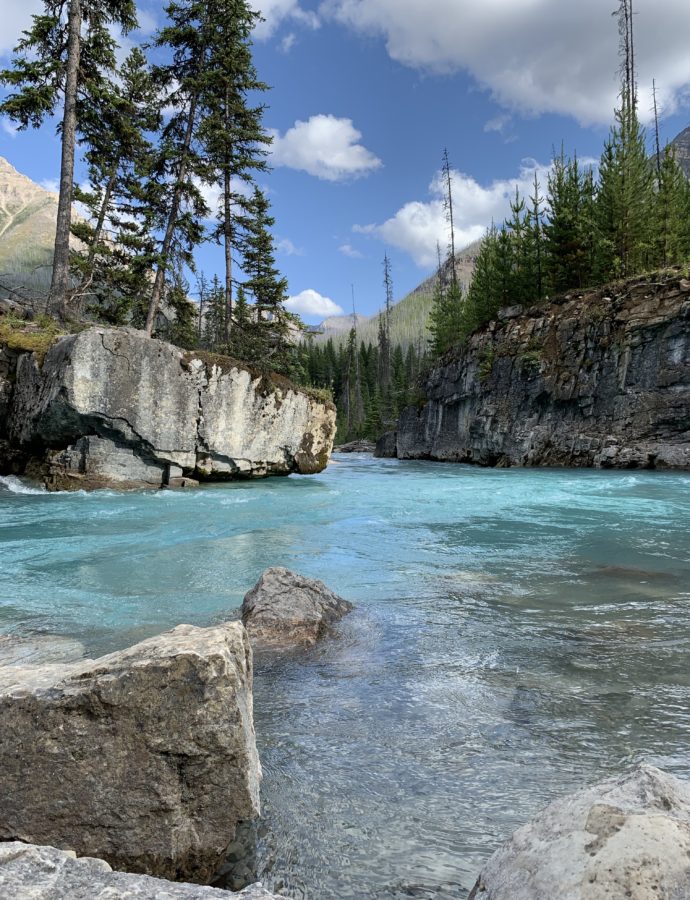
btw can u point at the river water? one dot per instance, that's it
(518, 633)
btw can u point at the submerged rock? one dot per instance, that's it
(110, 407)
(627, 838)
(285, 609)
(587, 380)
(45, 873)
(145, 758)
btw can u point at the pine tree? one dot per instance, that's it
(70, 57)
(265, 284)
(174, 195)
(232, 132)
(115, 124)
(384, 342)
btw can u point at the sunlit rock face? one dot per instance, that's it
(113, 408)
(145, 758)
(600, 379)
(36, 873)
(628, 837)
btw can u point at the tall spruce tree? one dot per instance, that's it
(67, 55)
(231, 129)
(174, 193)
(116, 124)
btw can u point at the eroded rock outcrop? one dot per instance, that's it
(627, 838)
(595, 380)
(45, 873)
(387, 445)
(284, 609)
(112, 408)
(145, 758)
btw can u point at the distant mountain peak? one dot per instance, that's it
(681, 144)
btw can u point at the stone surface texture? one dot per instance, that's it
(28, 872)
(284, 609)
(601, 379)
(145, 758)
(360, 446)
(110, 407)
(387, 445)
(627, 838)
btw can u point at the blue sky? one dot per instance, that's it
(367, 93)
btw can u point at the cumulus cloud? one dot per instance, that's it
(349, 250)
(9, 128)
(419, 225)
(533, 55)
(311, 303)
(325, 147)
(275, 12)
(288, 248)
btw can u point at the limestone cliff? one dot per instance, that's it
(112, 408)
(600, 379)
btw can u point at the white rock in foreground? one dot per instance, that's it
(145, 758)
(627, 838)
(28, 872)
(285, 609)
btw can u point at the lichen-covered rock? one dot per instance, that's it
(145, 758)
(110, 407)
(627, 838)
(387, 445)
(284, 609)
(601, 379)
(28, 872)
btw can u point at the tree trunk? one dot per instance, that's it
(59, 285)
(227, 229)
(159, 282)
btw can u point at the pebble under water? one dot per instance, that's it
(518, 633)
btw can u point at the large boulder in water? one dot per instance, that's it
(45, 873)
(627, 838)
(110, 407)
(145, 758)
(285, 609)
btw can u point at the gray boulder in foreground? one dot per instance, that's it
(28, 872)
(285, 609)
(627, 838)
(145, 758)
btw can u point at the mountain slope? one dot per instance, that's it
(409, 316)
(27, 231)
(681, 144)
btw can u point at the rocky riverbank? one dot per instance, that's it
(109, 407)
(596, 379)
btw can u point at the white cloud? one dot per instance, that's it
(349, 250)
(288, 248)
(288, 42)
(325, 147)
(9, 128)
(275, 12)
(50, 184)
(311, 303)
(499, 123)
(419, 226)
(533, 55)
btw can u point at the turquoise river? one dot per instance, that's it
(518, 633)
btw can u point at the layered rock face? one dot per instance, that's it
(285, 609)
(112, 408)
(628, 837)
(39, 873)
(595, 380)
(145, 758)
